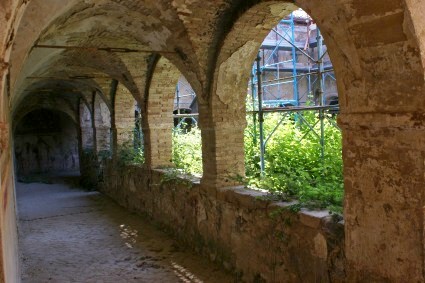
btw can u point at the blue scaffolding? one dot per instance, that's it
(282, 62)
(267, 93)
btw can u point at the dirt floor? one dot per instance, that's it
(70, 235)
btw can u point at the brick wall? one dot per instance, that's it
(157, 114)
(124, 116)
(102, 122)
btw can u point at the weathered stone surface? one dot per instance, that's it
(235, 227)
(158, 114)
(377, 49)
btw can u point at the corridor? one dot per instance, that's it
(70, 235)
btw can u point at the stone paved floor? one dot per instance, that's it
(69, 235)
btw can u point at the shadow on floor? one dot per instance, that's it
(70, 235)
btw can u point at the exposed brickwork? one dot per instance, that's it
(157, 114)
(124, 116)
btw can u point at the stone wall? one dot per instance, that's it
(256, 239)
(46, 141)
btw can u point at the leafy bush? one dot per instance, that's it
(294, 169)
(294, 165)
(187, 150)
(128, 154)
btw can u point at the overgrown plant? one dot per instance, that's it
(130, 155)
(176, 176)
(294, 169)
(187, 150)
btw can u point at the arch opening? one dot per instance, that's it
(127, 127)
(293, 145)
(187, 140)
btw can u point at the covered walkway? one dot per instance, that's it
(70, 235)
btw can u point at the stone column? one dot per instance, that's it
(124, 106)
(8, 233)
(223, 119)
(222, 146)
(157, 115)
(384, 190)
(157, 126)
(102, 125)
(86, 127)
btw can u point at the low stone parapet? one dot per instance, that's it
(257, 239)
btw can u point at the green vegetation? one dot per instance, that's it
(294, 166)
(187, 150)
(128, 154)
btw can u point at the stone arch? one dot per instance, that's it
(222, 115)
(30, 18)
(380, 84)
(380, 78)
(56, 105)
(59, 86)
(415, 24)
(90, 64)
(51, 107)
(157, 112)
(54, 24)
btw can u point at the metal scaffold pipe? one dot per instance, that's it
(300, 75)
(254, 116)
(260, 114)
(294, 63)
(296, 109)
(178, 98)
(320, 55)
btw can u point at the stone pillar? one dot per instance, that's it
(86, 127)
(222, 146)
(223, 119)
(102, 124)
(384, 191)
(157, 128)
(88, 155)
(9, 260)
(124, 107)
(157, 115)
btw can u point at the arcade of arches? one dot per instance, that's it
(84, 64)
